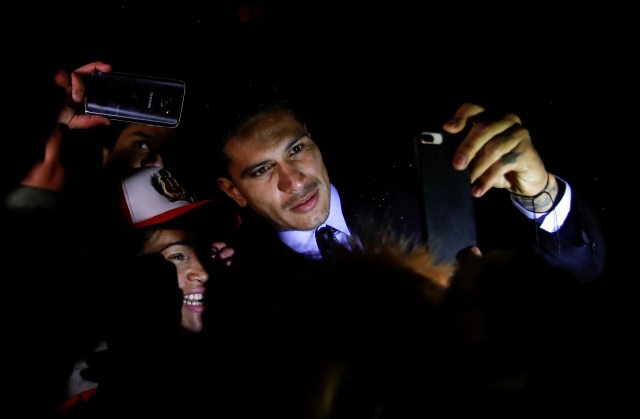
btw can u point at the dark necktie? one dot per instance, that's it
(327, 242)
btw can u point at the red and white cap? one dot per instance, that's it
(151, 195)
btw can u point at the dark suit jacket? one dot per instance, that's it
(271, 304)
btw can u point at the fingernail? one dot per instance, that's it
(460, 161)
(476, 191)
(452, 123)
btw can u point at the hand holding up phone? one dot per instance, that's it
(74, 86)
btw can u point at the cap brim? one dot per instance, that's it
(170, 215)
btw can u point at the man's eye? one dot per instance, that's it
(143, 145)
(297, 148)
(260, 171)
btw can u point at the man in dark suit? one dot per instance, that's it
(274, 171)
(273, 168)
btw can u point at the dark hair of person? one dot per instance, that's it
(107, 135)
(246, 103)
(134, 240)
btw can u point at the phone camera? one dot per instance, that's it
(430, 137)
(165, 105)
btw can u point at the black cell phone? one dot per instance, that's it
(135, 98)
(448, 213)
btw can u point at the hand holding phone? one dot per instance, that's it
(135, 98)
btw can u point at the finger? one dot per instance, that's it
(507, 167)
(91, 67)
(76, 80)
(90, 121)
(459, 120)
(489, 116)
(468, 253)
(226, 253)
(482, 131)
(73, 121)
(495, 143)
(66, 116)
(495, 175)
(77, 87)
(475, 250)
(61, 78)
(218, 245)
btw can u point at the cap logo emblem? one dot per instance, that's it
(169, 187)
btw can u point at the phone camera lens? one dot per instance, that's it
(165, 105)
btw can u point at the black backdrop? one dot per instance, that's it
(371, 74)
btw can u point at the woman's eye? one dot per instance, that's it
(176, 257)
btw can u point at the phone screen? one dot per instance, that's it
(135, 98)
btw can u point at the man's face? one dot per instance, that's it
(276, 169)
(140, 145)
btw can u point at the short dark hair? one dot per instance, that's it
(244, 103)
(107, 135)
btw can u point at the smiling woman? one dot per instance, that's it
(179, 247)
(155, 282)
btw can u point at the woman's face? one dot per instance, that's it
(179, 247)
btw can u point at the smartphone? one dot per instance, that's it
(448, 215)
(135, 98)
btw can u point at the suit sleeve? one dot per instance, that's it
(578, 246)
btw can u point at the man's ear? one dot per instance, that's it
(228, 187)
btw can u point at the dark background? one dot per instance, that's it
(370, 74)
(367, 72)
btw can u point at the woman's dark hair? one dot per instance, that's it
(134, 240)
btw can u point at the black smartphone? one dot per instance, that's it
(448, 213)
(135, 98)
